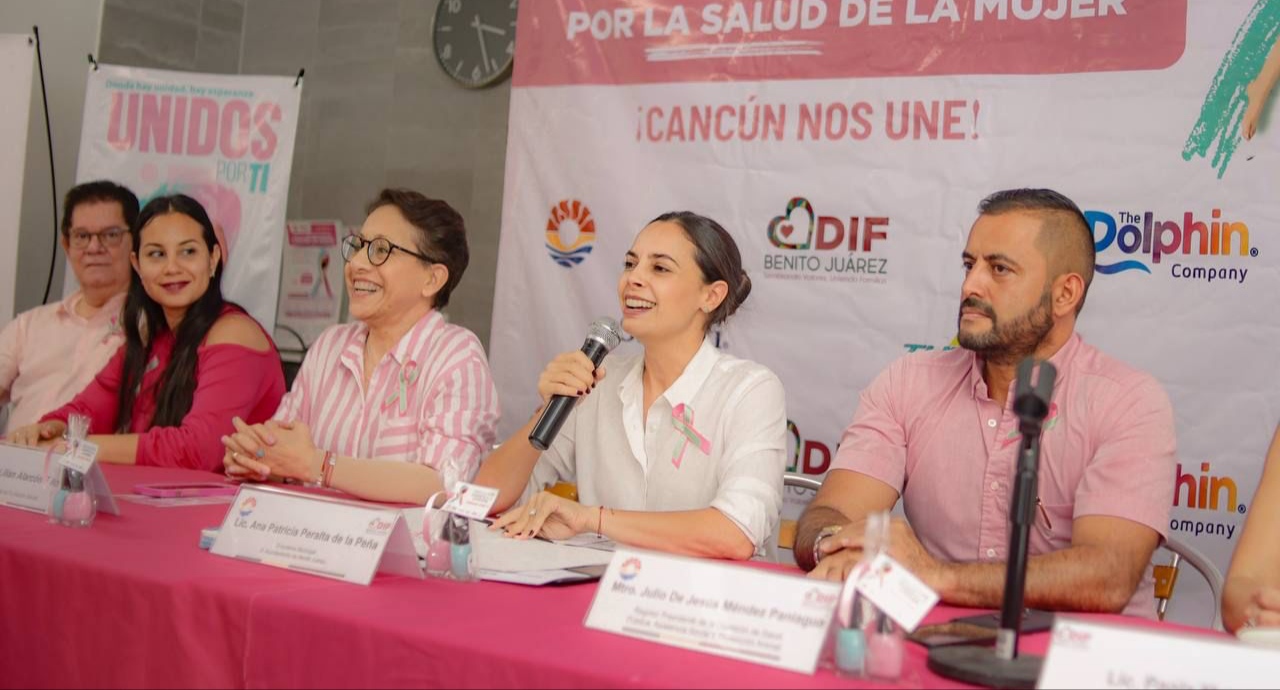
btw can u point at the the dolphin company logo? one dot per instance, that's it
(1209, 493)
(807, 456)
(1155, 241)
(1206, 492)
(825, 247)
(571, 230)
(247, 506)
(630, 568)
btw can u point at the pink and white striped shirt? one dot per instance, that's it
(430, 399)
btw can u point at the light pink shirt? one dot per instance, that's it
(431, 398)
(928, 428)
(50, 353)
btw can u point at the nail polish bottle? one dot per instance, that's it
(851, 646)
(856, 615)
(439, 556)
(73, 506)
(885, 650)
(460, 548)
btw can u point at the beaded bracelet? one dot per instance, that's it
(326, 472)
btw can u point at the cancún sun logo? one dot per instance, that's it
(571, 231)
(630, 568)
(1154, 241)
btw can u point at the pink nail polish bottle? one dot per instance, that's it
(885, 651)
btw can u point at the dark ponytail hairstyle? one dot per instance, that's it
(718, 258)
(144, 319)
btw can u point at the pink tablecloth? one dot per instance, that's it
(131, 601)
(134, 602)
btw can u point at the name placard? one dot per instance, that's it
(1093, 655)
(318, 535)
(27, 484)
(736, 611)
(23, 480)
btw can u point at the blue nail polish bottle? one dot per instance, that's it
(851, 650)
(851, 642)
(460, 548)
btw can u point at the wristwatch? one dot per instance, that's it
(817, 541)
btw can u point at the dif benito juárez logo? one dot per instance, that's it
(826, 248)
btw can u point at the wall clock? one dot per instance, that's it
(475, 40)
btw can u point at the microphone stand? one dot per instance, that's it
(1002, 667)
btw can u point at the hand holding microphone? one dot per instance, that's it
(569, 376)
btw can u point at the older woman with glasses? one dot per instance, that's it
(383, 407)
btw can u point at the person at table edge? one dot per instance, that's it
(938, 430)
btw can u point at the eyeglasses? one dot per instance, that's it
(379, 249)
(111, 237)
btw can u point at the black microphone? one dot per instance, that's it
(1031, 404)
(604, 335)
(1003, 667)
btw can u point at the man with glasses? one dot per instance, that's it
(50, 353)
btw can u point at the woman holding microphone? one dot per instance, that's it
(680, 448)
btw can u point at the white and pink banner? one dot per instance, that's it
(846, 144)
(17, 53)
(225, 140)
(310, 280)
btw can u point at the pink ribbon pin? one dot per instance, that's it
(400, 397)
(682, 420)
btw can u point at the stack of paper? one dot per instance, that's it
(536, 561)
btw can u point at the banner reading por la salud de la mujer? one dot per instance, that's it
(846, 144)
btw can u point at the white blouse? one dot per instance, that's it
(716, 438)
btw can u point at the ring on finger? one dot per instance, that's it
(533, 511)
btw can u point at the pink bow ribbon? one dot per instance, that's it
(682, 420)
(400, 396)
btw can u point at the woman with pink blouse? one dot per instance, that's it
(191, 362)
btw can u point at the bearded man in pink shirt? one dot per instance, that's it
(50, 353)
(938, 430)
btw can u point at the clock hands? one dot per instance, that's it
(480, 31)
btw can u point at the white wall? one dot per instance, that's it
(68, 33)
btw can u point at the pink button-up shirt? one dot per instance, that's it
(431, 398)
(50, 353)
(927, 427)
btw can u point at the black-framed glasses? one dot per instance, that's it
(379, 249)
(111, 237)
